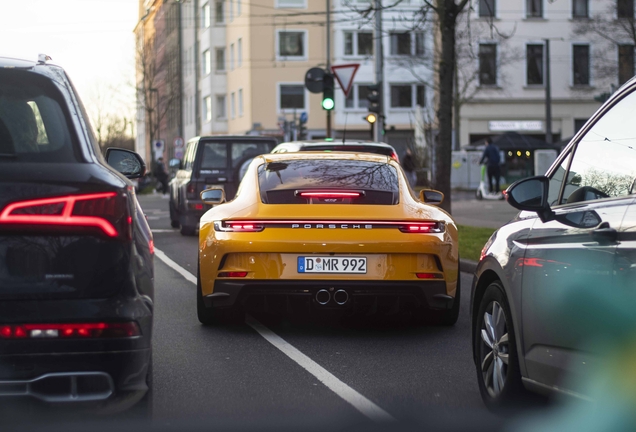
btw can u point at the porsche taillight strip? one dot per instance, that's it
(428, 227)
(62, 217)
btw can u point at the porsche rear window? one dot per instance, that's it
(34, 125)
(281, 180)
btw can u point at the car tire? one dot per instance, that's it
(449, 317)
(187, 230)
(209, 316)
(174, 217)
(497, 365)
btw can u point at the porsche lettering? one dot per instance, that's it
(333, 226)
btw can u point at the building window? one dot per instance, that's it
(291, 3)
(207, 62)
(357, 97)
(487, 64)
(240, 102)
(220, 59)
(581, 64)
(625, 9)
(207, 108)
(580, 9)
(419, 43)
(487, 8)
(239, 51)
(231, 15)
(625, 63)
(231, 56)
(407, 95)
(220, 107)
(578, 124)
(534, 64)
(358, 43)
(291, 44)
(534, 8)
(233, 105)
(205, 15)
(292, 96)
(220, 13)
(401, 43)
(238, 7)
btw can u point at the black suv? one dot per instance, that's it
(219, 160)
(76, 252)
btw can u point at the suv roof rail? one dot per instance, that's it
(42, 58)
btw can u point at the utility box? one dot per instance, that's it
(465, 169)
(543, 160)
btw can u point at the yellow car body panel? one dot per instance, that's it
(272, 254)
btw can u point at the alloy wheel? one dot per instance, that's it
(494, 349)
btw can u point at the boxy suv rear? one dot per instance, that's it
(76, 271)
(211, 161)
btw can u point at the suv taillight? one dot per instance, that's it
(106, 212)
(191, 190)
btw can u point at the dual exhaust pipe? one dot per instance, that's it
(340, 297)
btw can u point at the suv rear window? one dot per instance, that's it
(279, 181)
(34, 126)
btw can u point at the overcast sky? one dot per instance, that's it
(92, 39)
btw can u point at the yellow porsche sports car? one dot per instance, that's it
(327, 231)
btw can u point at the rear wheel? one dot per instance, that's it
(210, 316)
(498, 372)
(187, 230)
(449, 317)
(174, 217)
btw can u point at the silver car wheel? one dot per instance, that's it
(495, 349)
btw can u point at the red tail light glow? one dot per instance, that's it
(233, 274)
(429, 275)
(423, 227)
(395, 157)
(238, 226)
(191, 190)
(329, 194)
(71, 330)
(99, 210)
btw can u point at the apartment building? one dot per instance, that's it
(510, 88)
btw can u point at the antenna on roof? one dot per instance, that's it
(42, 58)
(344, 134)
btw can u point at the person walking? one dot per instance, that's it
(408, 163)
(493, 160)
(162, 175)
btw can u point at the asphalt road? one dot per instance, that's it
(233, 375)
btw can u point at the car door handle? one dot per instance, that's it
(605, 234)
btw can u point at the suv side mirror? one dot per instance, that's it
(531, 194)
(215, 195)
(126, 162)
(430, 196)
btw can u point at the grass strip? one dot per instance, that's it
(472, 241)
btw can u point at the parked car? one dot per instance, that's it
(574, 237)
(210, 161)
(338, 232)
(76, 252)
(356, 146)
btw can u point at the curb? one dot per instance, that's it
(467, 266)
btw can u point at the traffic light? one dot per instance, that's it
(328, 101)
(371, 118)
(374, 96)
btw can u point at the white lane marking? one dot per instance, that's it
(176, 267)
(359, 402)
(164, 230)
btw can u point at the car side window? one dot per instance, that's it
(189, 156)
(604, 162)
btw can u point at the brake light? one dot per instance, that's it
(237, 226)
(423, 227)
(151, 247)
(395, 156)
(233, 274)
(329, 194)
(191, 190)
(105, 211)
(70, 330)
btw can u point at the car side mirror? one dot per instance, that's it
(126, 162)
(430, 196)
(531, 194)
(174, 163)
(215, 195)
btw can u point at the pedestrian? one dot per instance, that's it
(162, 175)
(492, 158)
(408, 163)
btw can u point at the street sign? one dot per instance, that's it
(313, 79)
(344, 74)
(304, 117)
(178, 142)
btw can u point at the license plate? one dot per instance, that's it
(331, 264)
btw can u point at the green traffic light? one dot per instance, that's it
(327, 104)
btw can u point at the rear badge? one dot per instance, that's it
(333, 226)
